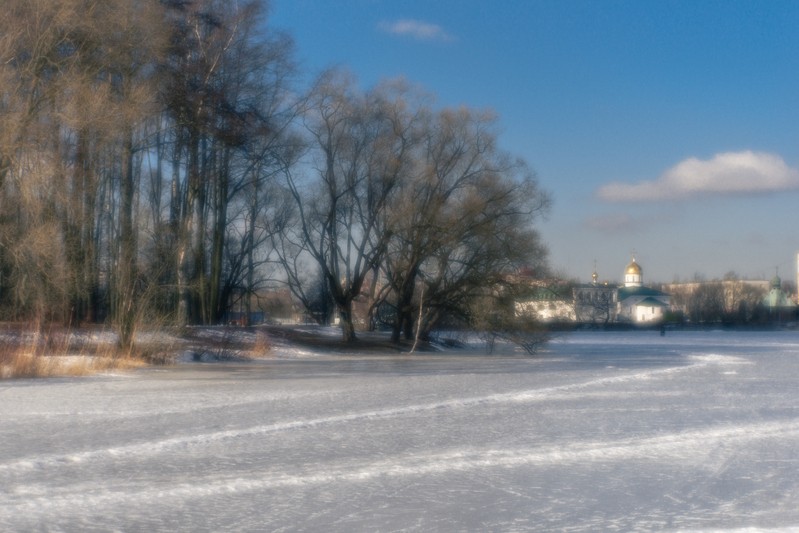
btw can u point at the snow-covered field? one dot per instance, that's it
(600, 432)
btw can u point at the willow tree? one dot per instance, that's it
(461, 225)
(359, 150)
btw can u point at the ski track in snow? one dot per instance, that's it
(149, 448)
(682, 446)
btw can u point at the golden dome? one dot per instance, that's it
(633, 269)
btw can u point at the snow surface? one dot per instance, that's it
(600, 432)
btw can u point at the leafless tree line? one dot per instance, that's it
(729, 300)
(158, 159)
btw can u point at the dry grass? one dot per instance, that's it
(32, 354)
(27, 352)
(262, 345)
(30, 365)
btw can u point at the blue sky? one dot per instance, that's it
(668, 129)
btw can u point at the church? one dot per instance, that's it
(777, 302)
(631, 302)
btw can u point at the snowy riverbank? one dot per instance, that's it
(601, 431)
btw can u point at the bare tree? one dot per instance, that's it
(202, 35)
(742, 299)
(357, 156)
(133, 36)
(226, 84)
(464, 223)
(77, 66)
(595, 304)
(706, 303)
(32, 63)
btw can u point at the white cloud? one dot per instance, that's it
(417, 29)
(728, 173)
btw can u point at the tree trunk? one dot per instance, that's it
(126, 309)
(347, 322)
(403, 323)
(200, 314)
(74, 223)
(250, 246)
(185, 307)
(217, 306)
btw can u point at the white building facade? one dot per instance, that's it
(637, 303)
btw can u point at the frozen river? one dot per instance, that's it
(600, 432)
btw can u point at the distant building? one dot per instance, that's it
(598, 302)
(547, 302)
(631, 302)
(777, 302)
